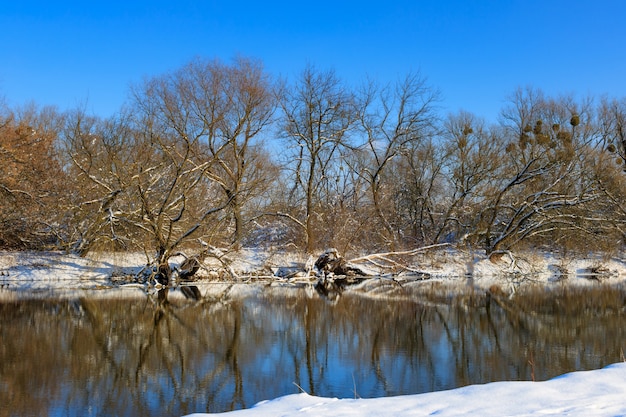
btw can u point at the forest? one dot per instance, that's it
(225, 155)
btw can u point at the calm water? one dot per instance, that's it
(140, 357)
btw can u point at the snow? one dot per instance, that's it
(33, 271)
(34, 274)
(31, 274)
(585, 393)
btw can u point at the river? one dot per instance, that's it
(159, 355)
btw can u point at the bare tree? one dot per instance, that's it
(318, 112)
(177, 164)
(613, 129)
(242, 170)
(611, 165)
(540, 188)
(472, 155)
(392, 118)
(100, 158)
(141, 186)
(223, 109)
(416, 186)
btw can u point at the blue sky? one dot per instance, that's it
(68, 53)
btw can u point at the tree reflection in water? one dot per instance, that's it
(177, 353)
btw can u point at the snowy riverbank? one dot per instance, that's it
(587, 394)
(35, 272)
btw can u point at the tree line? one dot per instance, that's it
(227, 155)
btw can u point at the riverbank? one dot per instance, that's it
(41, 272)
(586, 393)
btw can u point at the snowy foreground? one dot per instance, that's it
(589, 393)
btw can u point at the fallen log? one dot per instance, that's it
(330, 262)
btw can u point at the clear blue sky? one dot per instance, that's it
(68, 53)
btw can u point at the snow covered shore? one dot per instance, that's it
(43, 272)
(588, 393)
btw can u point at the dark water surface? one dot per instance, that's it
(149, 357)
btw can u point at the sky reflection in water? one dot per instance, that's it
(154, 357)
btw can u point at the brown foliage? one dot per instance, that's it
(31, 179)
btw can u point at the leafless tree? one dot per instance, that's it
(223, 109)
(318, 112)
(612, 114)
(177, 163)
(540, 187)
(471, 157)
(416, 186)
(392, 118)
(141, 186)
(610, 167)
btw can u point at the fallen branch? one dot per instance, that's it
(409, 252)
(385, 261)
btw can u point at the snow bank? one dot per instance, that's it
(586, 393)
(53, 272)
(45, 273)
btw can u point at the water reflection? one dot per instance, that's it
(164, 355)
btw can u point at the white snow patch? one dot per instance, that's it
(586, 393)
(40, 273)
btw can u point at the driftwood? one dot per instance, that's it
(388, 260)
(401, 253)
(330, 262)
(189, 267)
(392, 262)
(335, 273)
(192, 264)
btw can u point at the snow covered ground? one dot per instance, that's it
(45, 272)
(589, 393)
